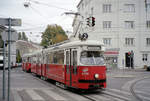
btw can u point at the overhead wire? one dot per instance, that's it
(49, 5)
(39, 13)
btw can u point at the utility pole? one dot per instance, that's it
(4, 80)
(9, 66)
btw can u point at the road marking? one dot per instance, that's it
(142, 92)
(34, 95)
(54, 95)
(119, 91)
(16, 96)
(101, 98)
(144, 98)
(116, 95)
(74, 96)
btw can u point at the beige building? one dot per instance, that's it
(122, 25)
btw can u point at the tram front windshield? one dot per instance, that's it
(92, 58)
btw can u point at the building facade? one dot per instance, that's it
(14, 37)
(122, 25)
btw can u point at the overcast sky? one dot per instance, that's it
(39, 14)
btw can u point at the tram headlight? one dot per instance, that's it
(96, 76)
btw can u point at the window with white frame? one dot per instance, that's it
(148, 24)
(145, 57)
(107, 41)
(129, 24)
(148, 7)
(106, 24)
(129, 41)
(129, 8)
(106, 8)
(148, 41)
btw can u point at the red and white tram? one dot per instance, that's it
(78, 64)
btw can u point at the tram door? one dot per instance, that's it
(71, 60)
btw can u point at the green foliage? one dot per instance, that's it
(19, 36)
(22, 36)
(18, 57)
(52, 35)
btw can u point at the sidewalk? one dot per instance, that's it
(125, 72)
(1, 87)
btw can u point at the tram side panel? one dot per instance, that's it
(56, 72)
(28, 67)
(33, 68)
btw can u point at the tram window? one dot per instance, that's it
(51, 58)
(55, 59)
(74, 57)
(47, 59)
(60, 57)
(67, 58)
(92, 58)
(67, 62)
(75, 62)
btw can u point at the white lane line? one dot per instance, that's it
(144, 98)
(54, 95)
(119, 91)
(34, 95)
(74, 96)
(16, 96)
(102, 98)
(116, 95)
(142, 92)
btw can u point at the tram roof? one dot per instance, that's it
(69, 45)
(73, 44)
(82, 43)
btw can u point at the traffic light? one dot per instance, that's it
(93, 21)
(88, 21)
(129, 54)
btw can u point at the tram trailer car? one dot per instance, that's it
(78, 64)
(26, 63)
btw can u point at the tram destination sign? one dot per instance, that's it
(14, 22)
(94, 48)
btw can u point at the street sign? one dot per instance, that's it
(14, 36)
(14, 22)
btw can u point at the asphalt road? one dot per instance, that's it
(28, 87)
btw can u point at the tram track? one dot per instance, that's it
(85, 95)
(133, 91)
(59, 88)
(90, 96)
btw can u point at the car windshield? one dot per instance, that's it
(92, 58)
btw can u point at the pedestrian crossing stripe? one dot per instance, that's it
(16, 96)
(34, 95)
(54, 95)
